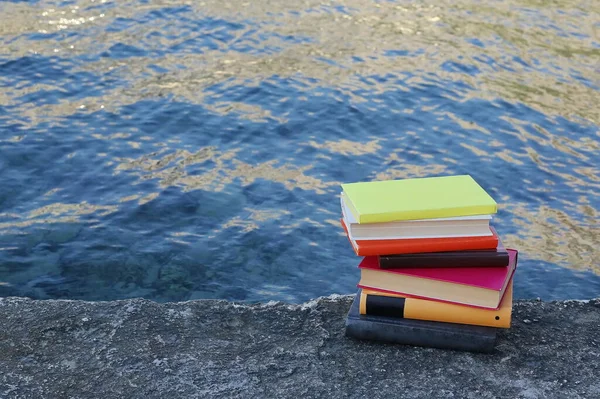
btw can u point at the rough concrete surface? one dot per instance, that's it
(142, 349)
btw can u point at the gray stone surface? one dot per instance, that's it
(141, 349)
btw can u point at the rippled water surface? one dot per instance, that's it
(178, 150)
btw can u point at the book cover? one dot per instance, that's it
(419, 245)
(474, 286)
(378, 303)
(419, 198)
(461, 337)
(497, 257)
(461, 226)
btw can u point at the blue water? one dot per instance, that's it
(185, 150)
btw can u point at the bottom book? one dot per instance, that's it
(418, 332)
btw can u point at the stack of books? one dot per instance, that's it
(434, 272)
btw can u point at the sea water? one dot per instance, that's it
(177, 150)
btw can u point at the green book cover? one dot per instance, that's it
(419, 198)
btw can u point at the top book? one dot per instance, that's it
(414, 199)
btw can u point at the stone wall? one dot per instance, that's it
(142, 349)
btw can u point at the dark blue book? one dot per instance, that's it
(432, 334)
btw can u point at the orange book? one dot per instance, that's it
(418, 245)
(401, 306)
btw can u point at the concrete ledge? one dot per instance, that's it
(141, 349)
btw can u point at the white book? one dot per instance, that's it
(463, 226)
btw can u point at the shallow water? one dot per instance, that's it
(178, 150)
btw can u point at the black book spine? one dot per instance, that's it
(402, 261)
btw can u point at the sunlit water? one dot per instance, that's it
(178, 150)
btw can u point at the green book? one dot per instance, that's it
(420, 198)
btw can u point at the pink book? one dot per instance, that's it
(473, 286)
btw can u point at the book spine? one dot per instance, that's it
(496, 260)
(422, 334)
